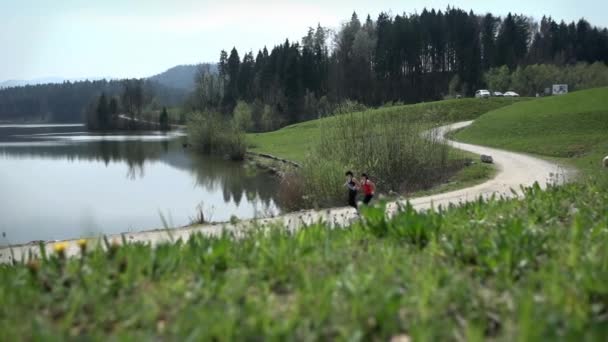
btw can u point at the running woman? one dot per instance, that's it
(368, 187)
(352, 185)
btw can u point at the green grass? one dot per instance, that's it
(295, 141)
(469, 176)
(291, 142)
(384, 142)
(535, 269)
(530, 269)
(573, 126)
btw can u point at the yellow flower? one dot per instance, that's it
(60, 248)
(82, 243)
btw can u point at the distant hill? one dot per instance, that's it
(67, 102)
(179, 77)
(182, 76)
(45, 80)
(53, 99)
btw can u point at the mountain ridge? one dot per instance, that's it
(181, 77)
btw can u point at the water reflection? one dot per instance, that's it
(61, 186)
(232, 179)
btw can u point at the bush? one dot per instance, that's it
(291, 191)
(389, 147)
(270, 120)
(533, 79)
(242, 116)
(213, 134)
(323, 179)
(454, 87)
(349, 106)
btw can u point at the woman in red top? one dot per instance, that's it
(368, 187)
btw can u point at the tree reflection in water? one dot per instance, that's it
(234, 180)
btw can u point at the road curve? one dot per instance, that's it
(514, 170)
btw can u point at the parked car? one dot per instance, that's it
(511, 94)
(482, 93)
(497, 94)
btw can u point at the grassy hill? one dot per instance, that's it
(293, 142)
(501, 270)
(385, 143)
(573, 126)
(525, 270)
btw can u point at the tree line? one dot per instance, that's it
(70, 101)
(403, 58)
(536, 79)
(104, 112)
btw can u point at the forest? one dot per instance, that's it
(405, 58)
(69, 101)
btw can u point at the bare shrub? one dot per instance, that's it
(213, 134)
(291, 192)
(396, 151)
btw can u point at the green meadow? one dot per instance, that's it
(295, 141)
(535, 269)
(572, 127)
(387, 143)
(498, 269)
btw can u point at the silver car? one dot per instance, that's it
(482, 93)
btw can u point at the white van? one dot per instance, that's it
(482, 93)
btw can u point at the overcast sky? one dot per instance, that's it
(137, 38)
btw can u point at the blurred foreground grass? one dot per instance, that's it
(502, 269)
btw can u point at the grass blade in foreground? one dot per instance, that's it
(530, 269)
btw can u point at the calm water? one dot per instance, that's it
(59, 182)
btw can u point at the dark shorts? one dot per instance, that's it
(367, 199)
(352, 198)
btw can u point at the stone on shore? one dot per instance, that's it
(486, 159)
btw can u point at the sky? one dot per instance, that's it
(140, 38)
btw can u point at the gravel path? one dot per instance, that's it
(514, 170)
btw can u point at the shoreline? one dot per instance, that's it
(513, 169)
(271, 164)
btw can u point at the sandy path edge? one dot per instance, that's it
(514, 170)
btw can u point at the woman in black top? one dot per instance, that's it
(352, 185)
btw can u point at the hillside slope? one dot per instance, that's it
(182, 76)
(573, 126)
(293, 142)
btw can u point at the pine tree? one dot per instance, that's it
(489, 28)
(246, 77)
(223, 64)
(163, 120)
(231, 94)
(103, 114)
(408, 58)
(513, 39)
(113, 106)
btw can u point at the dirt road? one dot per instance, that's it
(514, 170)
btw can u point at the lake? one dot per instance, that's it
(60, 182)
